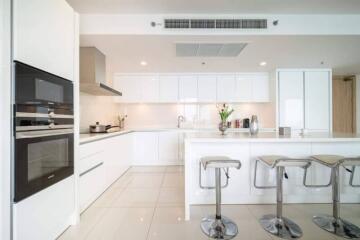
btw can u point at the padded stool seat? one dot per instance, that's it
(220, 162)
(328, 160)
(282, 161)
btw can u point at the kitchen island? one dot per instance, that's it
(246, 148)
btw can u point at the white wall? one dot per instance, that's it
(96, 109)
(358, 103)
(5, 90)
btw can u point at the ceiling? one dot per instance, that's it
(124, 53)
(217, 7)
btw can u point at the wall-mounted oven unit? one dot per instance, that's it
(44, 132)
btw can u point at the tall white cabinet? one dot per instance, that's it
(44, 35)
(304, 99)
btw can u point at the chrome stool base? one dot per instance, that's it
(280, 227)
(338, 226)
(222, 228)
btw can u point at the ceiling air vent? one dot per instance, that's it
(216, 23)
(177, 23)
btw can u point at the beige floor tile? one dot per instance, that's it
(171, 197)
(145, 169)
(123, 223)
(123, 181)
(172, 169)
(88, 221)
(108, 197)
(137, 197)
(146, 180)
(168, 223)
(173, 180)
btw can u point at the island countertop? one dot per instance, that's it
(270, 137)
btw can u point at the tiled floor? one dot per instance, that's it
(148, 203)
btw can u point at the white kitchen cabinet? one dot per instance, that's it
(129, 86)
(92, 184)
(149, 88)
(243, 88)
(252, 87)
(207, 88)
(304, 99)
(147, 148)
(44, 35)
(168, 148)
(226, 88)
(260, 91)
(188, 88)
(102, 162)
(317, 100)
(168, 88)
(291, 99)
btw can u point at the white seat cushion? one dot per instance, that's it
(328, 160)
(271, 159)
(220, 162)
(283, 161)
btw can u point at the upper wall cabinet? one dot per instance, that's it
(252, 87)
(44, 35)
(226, 88)
(130, 87)
(149, 88)
(188, 88)
(168, 88)
(192, 88)
(304, 99)
(206, 88)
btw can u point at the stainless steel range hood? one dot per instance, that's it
(93, 73)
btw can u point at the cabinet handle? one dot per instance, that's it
(89, 170)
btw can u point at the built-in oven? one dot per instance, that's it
(44, 132)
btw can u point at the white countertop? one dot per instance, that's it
(270, 137)
(91, 137)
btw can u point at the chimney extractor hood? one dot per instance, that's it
(92, 73)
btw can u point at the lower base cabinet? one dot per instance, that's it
(101, 164)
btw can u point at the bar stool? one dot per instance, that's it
(335, 224)
(218, 226)
(279, 225)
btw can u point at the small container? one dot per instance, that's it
(284, 131)
(246, 123)
(229, 124)
(237, 123)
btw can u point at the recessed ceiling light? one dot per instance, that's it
(262, 64)
(143, 63)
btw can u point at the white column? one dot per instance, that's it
(358, 103)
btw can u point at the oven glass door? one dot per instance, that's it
(42, 158)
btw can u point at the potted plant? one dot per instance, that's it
(225, 111)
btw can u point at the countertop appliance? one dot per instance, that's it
(44, 135)
(246, 123)
(93, 73)
(99, 128)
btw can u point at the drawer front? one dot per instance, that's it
(91, 186)
(90, 162)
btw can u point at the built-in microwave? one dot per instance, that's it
(44, 132)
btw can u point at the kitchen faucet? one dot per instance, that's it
(180, 119)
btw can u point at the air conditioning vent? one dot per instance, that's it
(241, 23)
(216, 23)
(202, 23)
(177, 23)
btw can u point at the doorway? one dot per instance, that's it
(344, 104)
